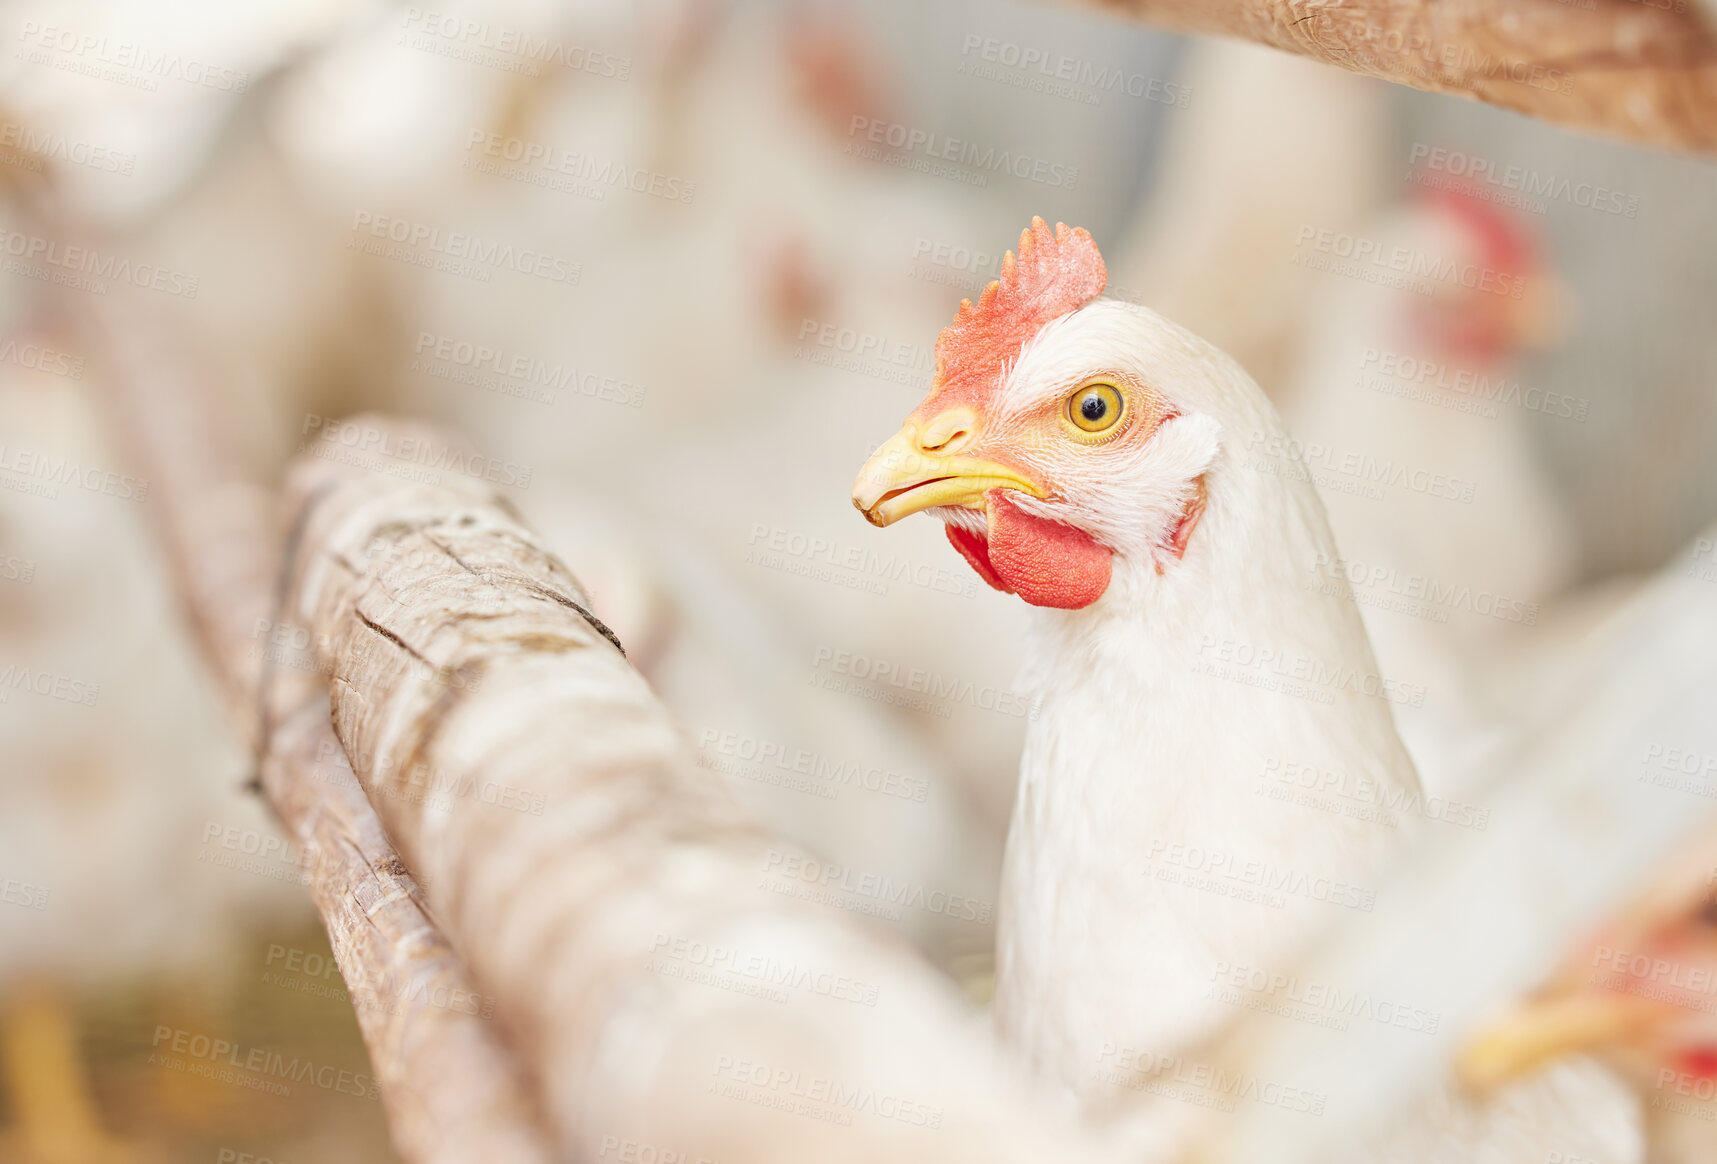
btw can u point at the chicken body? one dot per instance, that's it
(1130, 479)
(1193, 669)
(1146, 854)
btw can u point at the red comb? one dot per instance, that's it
(1055, 273)
(1506, 243)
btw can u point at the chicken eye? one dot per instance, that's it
(1094, 408)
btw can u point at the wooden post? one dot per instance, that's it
(673, 976)
(449, 1085)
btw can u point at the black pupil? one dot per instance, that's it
(1093, 407)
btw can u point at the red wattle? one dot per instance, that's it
(976, 551)
(1700, 1061)
(1043, 561)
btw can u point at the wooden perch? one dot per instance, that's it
(1645, 72)
(449, 1086)
(451, 1089)
(676, 980)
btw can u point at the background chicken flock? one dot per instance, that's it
(357, 205)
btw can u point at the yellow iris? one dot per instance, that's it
(1095, 407)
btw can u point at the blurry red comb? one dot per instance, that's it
(1506, 242)
(1055, 273)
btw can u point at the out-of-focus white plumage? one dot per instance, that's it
(1574, 1109)
(110, 736)
(1464, 509)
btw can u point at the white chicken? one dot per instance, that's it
(1417, 428)
(1104, 464)
(1111, 467)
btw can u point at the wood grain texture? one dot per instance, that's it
(450, 1088)
(673, 976)
(1641, 71)
(451, 1091)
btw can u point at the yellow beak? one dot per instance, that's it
(1545, 1029)
(903, 478)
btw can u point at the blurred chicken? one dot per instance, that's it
(1209, 249)
(1642, 994)
(1413, 422)
(1087, 456)
(121, 783)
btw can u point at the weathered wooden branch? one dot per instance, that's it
(674, 977)
(1646, 72)
(449, 1085)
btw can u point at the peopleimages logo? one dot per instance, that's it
(85, 268)
(1356, 255)
(894, 683)
(1316, 786)
(831, 772)
(453, 251)
(1352, 471)
(35, 146)
(1038, 70)
(926, 150)
(41, 358)
(482, 43)
(49, 684)
(1455, 63)
(816, 1097)
(963, 268)
(1231, 874)
(14, 569)
(847, 349)
(1486, 179)
(767, 969)
(371, 440)
(1679, 770)
(234, 1156)
(121, 61)
(1235, 658)
(851, 565)
(257, 1068)
(864, 345)
(553, 167)
(447, 357)
(1415, 378)
(40, 472)
(876, 888)
(1200, 1084)
(1319, 1003)
(23, 895)
(626, 1151)
(1371, 580)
